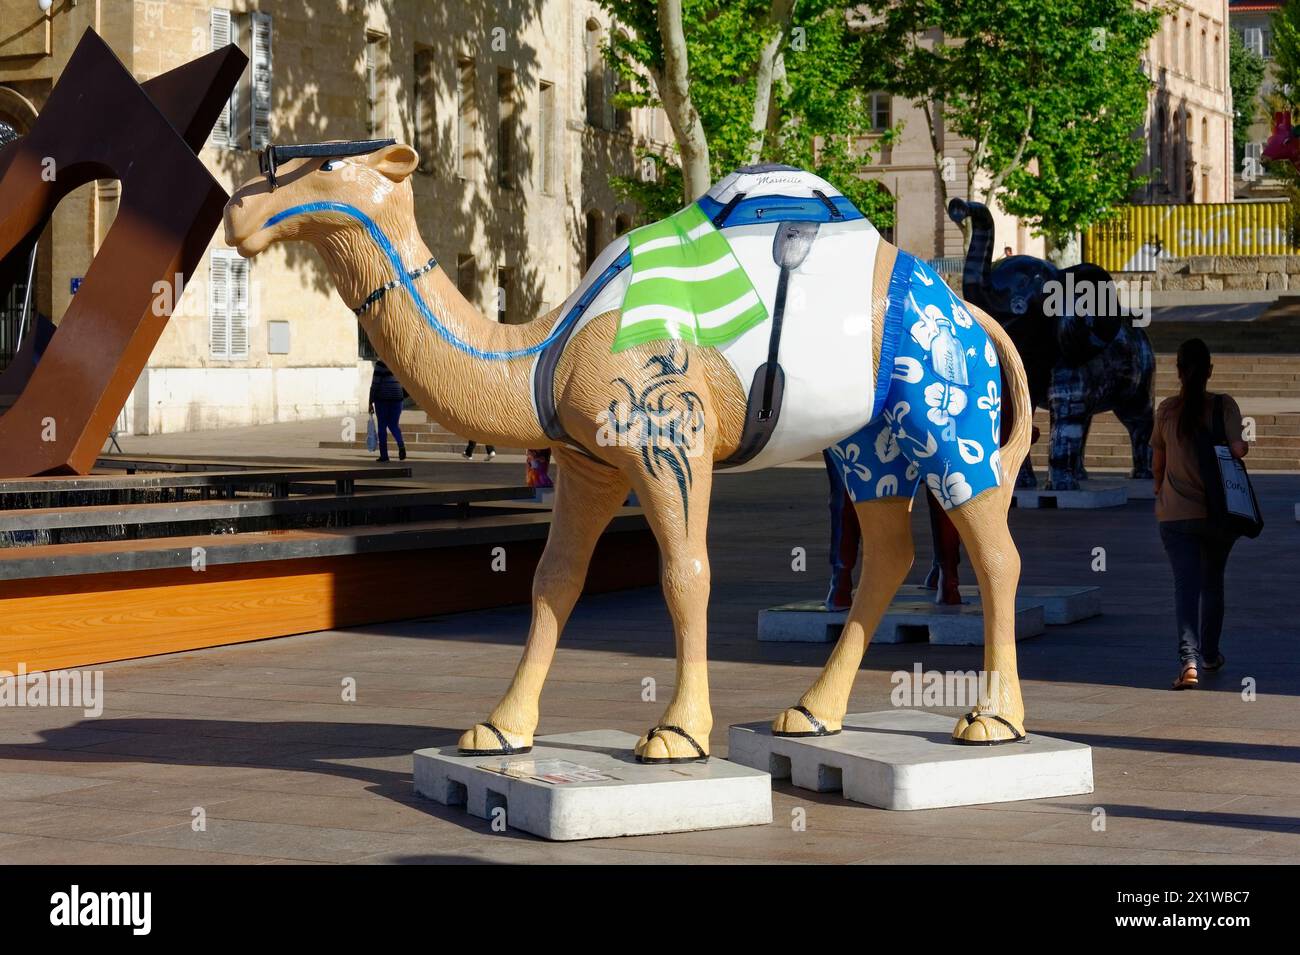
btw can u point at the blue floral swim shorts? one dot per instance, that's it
(940, 418)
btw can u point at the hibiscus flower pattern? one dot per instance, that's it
(951, 487)
(940, 420)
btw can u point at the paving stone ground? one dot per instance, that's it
(260, 740)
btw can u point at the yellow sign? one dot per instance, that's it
(1140, 235)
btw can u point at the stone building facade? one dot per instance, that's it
(1189, 113)
(1188, 131)
(1252, 20)
(509, 106)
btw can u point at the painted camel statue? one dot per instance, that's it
(662, 367)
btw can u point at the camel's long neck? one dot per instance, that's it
(453, 371)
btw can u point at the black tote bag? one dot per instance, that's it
(1231, 507)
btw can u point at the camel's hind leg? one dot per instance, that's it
(586, 496)
(982, 523)
(886, 559)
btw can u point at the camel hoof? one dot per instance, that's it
(987, 729)
(797, 721)
(485, 739)
(671, 744)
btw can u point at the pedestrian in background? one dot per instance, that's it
(386, 397)
(1197, 550)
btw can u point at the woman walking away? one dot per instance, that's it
(1198, 551)
(386, 396)
(469, 451)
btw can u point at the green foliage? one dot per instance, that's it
(1050, 92)
(1286, 67)
(822, 110)
(1245, 75)
(1286, 51)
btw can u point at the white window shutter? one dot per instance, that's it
(1255, 40)
(238, 307)
(260, 46)
(219, 305)
(372, 89)
(220, 35)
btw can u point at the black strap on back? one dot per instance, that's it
(720, 219)
(836, 214)
(774, 345)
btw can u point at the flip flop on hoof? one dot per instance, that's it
(506, 748)
(971, 718)
(699, 757)
(818, 727)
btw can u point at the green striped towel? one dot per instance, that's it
(686, 284)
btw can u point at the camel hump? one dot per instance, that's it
(771, 179)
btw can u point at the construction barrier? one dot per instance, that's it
(1137, 236)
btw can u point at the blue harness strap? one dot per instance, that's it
(758, 209)
(900, 283)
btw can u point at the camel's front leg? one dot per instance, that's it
(671, 472)
(674, 490)
(586, 496)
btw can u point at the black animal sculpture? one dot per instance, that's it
(1082, 353)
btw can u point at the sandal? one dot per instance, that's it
(506, 748)
(1016, 735)
(1187, 679)
(1218, 663)
(818, 727)
(701, 755)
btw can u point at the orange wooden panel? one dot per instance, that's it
(58, 622)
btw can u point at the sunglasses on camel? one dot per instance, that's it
(272, 156)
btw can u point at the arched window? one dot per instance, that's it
(595, 72)
(621, 84)
(1159, 161)
(622, 222)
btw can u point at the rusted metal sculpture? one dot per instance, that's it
(99, 123)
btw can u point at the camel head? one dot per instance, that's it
(328, 194)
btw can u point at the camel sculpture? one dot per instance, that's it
(626, 408)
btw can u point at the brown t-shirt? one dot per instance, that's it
(1182, 496)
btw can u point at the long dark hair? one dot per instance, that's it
(1194, 372)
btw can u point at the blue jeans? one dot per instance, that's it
(389, 413)
(1198, 560)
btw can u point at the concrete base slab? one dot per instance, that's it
(905, 759)
(1089, 499)
(588, 785)
(908, 620)
(1061, 605)
(805, 622)
(961, 626)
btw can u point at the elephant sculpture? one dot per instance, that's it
(1082, 353)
